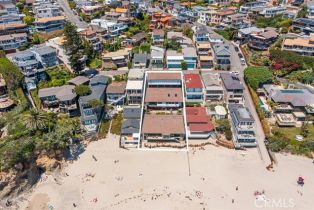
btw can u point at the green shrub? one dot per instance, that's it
(255, 77)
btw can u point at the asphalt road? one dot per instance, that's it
(236, 66)
(68, 13)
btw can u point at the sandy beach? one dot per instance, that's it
(214, 178)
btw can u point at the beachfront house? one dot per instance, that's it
(243, 126)
(165, 128)
(291, 105)
(61, 99)
(130, 129)
(5, 102)
(92, 105)
(199, 125)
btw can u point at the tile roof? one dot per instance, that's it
(12, 25)
(11, 36)
(193, 81)
(159, 32)
(198, 120)
(120, 10)
(47, 19)
(300, 41)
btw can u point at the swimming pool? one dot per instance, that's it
(262, 105)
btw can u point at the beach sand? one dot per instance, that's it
(214, 178)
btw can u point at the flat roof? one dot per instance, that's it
(121, 52)
(220, 110)
(136, 73)
(163, 124)
(189, 52)
(174, 53)
(300, 41)
(163, 76)
(134, 85)
(242, 113)
(206, 58)
(163, 95)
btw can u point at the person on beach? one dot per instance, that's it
(94, 157)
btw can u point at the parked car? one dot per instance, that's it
(240, 55)
(236, 49)
(234, 72)
(242, 60)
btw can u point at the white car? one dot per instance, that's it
(242, 60)
(234, 72)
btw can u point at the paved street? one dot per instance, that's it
(68, 13)
(236, 66)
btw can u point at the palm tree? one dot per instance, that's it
(35, 119)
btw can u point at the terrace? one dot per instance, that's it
(285, 119)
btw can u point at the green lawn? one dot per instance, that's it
(226, 33)
(284, 140)
(95, 63)
(116, 124)
(57, 76)
(104, 128)
(290, 133)
(36, 99)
